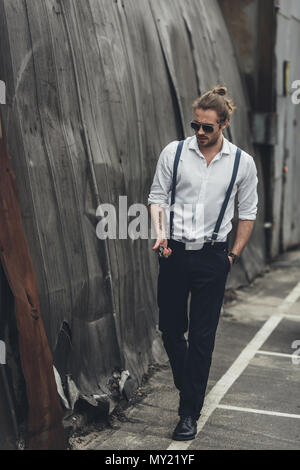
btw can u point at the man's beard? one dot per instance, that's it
(208, 142)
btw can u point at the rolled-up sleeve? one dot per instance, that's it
(162, 182)
(247, 193)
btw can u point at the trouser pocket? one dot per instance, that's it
(228, 261)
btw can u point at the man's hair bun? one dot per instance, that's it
(219, 90)
(215, 99)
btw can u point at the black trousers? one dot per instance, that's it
(202, 274)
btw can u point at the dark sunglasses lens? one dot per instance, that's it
(195, 126)
(207, 129)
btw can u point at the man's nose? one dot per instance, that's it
(201, 132)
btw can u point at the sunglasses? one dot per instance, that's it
(207, 128)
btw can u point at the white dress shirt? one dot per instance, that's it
(201, 189)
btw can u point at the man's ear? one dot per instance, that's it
(224, 125)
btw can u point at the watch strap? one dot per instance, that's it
(234, 257)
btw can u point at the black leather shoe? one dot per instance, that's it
(186, 429)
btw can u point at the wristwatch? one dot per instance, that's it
(234, 257)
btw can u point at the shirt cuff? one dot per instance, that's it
(158, 202)
(247, 217)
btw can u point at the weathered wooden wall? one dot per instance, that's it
(96, 88)
(286, 209)
(266, 36)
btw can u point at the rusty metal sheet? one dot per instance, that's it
(45, 429)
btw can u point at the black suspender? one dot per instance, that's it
(229, 190)
(227, 196)
(174, 181)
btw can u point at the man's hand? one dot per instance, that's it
(244, 230)
(162, 242)
(158, 217)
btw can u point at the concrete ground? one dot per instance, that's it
(253, 394)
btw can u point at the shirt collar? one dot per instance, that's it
(193, 145)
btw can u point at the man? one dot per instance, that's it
(196, 260)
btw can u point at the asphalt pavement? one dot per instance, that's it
(253, 395)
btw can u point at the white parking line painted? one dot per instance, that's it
(261, 412)
(290, 299)
(271, 353)
(217, 393)
(291, 316)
